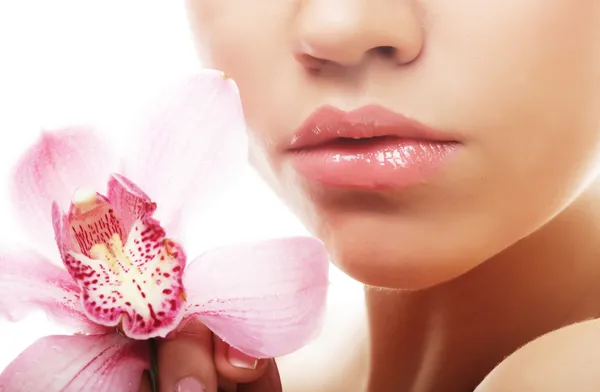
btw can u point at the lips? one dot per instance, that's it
(329, 123)
(369, 148)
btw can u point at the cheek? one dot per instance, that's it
(248, 40)
(522, 82)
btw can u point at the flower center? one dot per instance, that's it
(129, 272)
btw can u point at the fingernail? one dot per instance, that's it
(238, 359)
(190, 384)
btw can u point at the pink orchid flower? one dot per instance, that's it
(125, 281)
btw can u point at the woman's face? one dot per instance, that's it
(515, 85)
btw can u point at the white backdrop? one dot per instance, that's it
(80, 60)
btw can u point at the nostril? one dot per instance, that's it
(387, 51)
(310, 62)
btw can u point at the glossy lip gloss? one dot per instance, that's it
(371, 148)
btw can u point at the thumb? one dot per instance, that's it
(269, 382)
(235, 366)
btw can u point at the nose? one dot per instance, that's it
(345, 32)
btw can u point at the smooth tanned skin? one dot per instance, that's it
(498, 249)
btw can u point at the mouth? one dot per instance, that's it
(356, 143)
(369, 149)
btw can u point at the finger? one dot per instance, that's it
(226, 385)
(145, 385)
(269, 382)
(236, 366)
(185, 363)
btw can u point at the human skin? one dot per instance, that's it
(496, 250)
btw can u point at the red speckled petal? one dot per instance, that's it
(95, 223)
(192, 145)
(137, 284)
(147, 293)
(130, 202)
(29, 281)
(50, 171)
(99, 363)
(267, 299)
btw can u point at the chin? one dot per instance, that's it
(381, 252)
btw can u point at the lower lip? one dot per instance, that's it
(373, 164)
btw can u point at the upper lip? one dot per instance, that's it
(329, 123)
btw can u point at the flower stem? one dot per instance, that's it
(153, 364)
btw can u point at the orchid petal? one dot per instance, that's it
(129, 272)
(99, 363)
(129, 201)
(28, 281)
(191, 148)
(266, 299)
(50, 171)
(90, 223)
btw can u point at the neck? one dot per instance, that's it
(450, 336)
